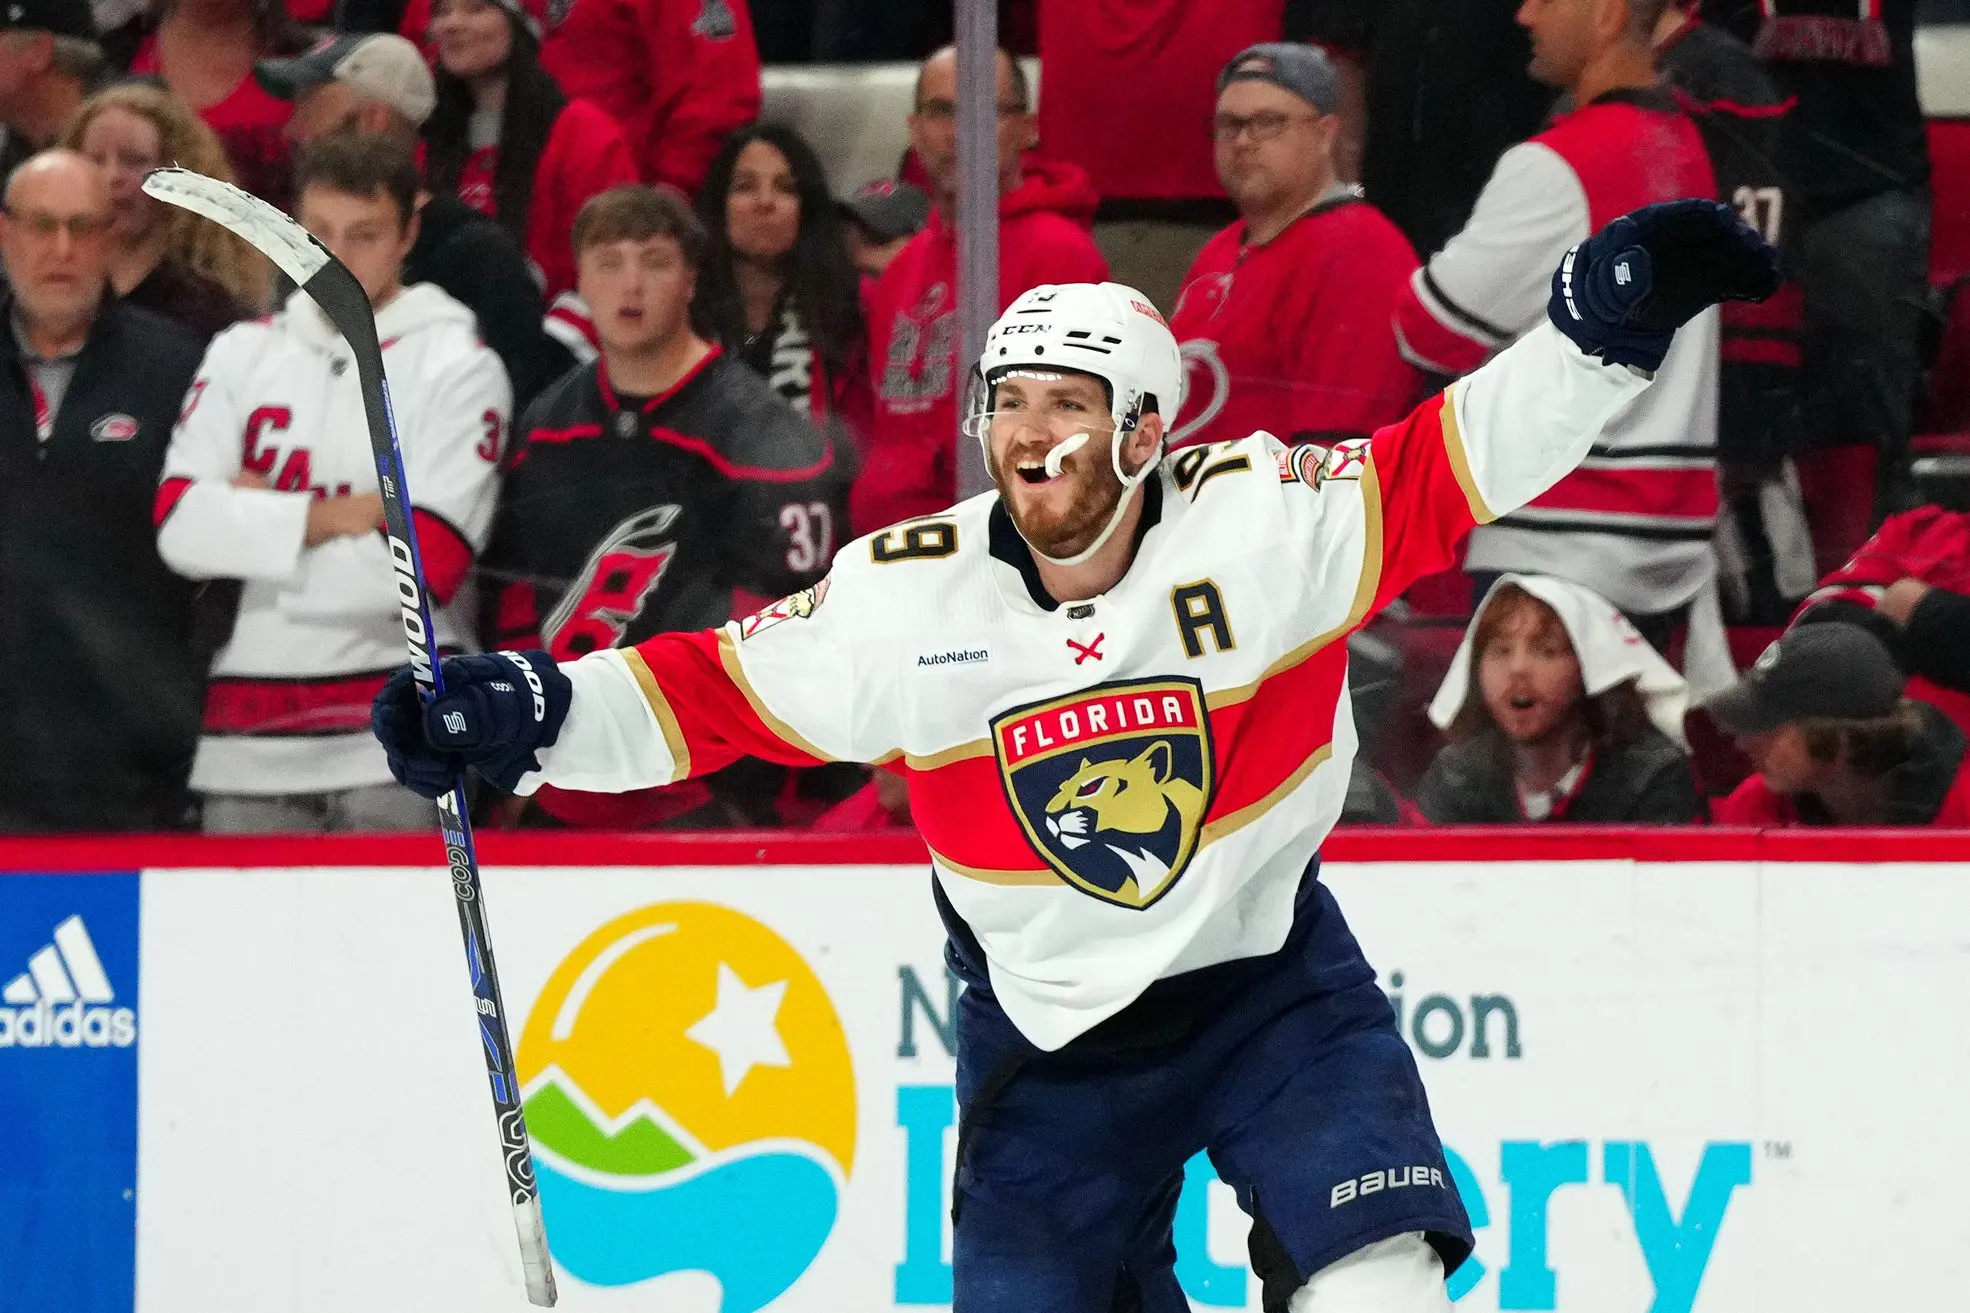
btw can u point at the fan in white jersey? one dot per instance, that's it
(270, 480)
(1117, 688)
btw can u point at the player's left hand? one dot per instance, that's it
(1622, 294)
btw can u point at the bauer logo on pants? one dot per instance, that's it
(1110, 785)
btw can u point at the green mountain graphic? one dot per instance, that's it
(642, 1148)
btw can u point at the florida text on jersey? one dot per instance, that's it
(1130, 787)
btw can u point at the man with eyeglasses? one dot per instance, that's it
(93, 628)
(1283, 319)
(1045, 210)
(49, 60)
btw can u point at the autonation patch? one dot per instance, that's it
(69, 1024)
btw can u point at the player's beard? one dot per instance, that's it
(1096, 490)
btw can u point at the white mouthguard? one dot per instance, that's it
(1060, 453)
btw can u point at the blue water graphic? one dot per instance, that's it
(755, 1223)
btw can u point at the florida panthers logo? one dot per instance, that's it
(1111, 784)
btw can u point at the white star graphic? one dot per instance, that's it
(742, 1028)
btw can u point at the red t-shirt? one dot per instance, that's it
(475, 180)
(249, 124)
(1135, 109)
(1292, 337)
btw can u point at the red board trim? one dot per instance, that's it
(1447, 846)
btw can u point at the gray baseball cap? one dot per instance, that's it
(382, 66)
(1829, 670)
(1301, 69)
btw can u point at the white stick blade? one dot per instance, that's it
(246, 216)
(534, 1259)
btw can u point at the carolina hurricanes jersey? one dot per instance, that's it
(319, 629)
(1130, 787)
(1634, 522)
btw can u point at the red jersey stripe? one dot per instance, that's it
(169, 494)
(1628, 490)
(447, 555)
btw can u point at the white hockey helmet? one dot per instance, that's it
(1107, 330)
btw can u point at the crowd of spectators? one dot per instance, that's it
(651, 371)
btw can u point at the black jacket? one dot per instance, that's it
(1649, 783)
(1448, 91)
(1730, 95)
(1858, 131)
(477, 262)
(103, 683)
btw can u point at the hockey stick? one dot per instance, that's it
(342, 299)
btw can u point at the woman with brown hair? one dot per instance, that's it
(507, 141)
(1557, 710)
(163, 258)
(204, 51)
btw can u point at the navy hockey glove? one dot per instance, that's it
(1622, 294)
(496, 711)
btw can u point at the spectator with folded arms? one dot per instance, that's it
(1558, 711)
(1823, 715)
(162, 258)
(507, 141)
(270, 480)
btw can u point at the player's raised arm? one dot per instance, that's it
(782, 685)
(1500, 436)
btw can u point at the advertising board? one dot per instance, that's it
(1666, 1086)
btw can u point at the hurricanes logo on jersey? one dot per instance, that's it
(1111, 784)
(615, 583)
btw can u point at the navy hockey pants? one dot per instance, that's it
(1288, 1068)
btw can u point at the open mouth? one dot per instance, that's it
(1033, 473)
(1522, 702)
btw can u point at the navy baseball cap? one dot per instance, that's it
(1830, 671)
(888, 209)
(1291, 66)
(61, 17)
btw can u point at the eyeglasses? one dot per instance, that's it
(43, 226)
(1264, 126)
(944, 109)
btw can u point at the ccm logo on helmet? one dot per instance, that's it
(1391, 1178)
(1010, 329)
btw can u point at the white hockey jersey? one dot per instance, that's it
(1633, 522)
(287, 710)
(1130, 787)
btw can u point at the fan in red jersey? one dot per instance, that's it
(1284, 317)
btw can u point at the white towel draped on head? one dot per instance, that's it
(1609, 650)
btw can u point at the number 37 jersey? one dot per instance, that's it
(1129, 787)
(629, 516)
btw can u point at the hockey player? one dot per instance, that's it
(1117, 687)
(270, 480)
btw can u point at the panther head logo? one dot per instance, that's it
(1105, 800)
(1111, 785)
